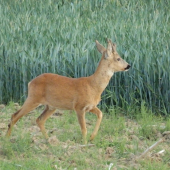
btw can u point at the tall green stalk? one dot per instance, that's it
(59, 37)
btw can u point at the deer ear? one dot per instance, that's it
(113, 45)
(106, 55)
(109, 49)
(100, 48)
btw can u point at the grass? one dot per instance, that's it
(119, 139)
(58, 36)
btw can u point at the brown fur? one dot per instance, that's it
(79, 94)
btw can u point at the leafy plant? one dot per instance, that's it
(58, 36)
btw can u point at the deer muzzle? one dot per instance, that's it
(127, 68)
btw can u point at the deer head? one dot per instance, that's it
(114, 62)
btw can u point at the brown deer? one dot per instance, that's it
(79, 94)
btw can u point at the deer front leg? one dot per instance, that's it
(82, 122)
(99, 119)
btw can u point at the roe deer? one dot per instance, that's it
(79, 94)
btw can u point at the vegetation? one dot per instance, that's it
(58, 36)
(118, 142)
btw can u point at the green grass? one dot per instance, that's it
(119, 139)
(58, 36)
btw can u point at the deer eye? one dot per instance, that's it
(118, 59)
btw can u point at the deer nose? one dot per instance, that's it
(127, 67)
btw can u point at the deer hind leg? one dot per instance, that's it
(82, 122)
(26, 108)
(42, 119)
(99, 119)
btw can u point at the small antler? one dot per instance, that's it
(108, 40)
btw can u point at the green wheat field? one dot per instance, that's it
(58, 36)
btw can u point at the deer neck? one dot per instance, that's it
(102, 76)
